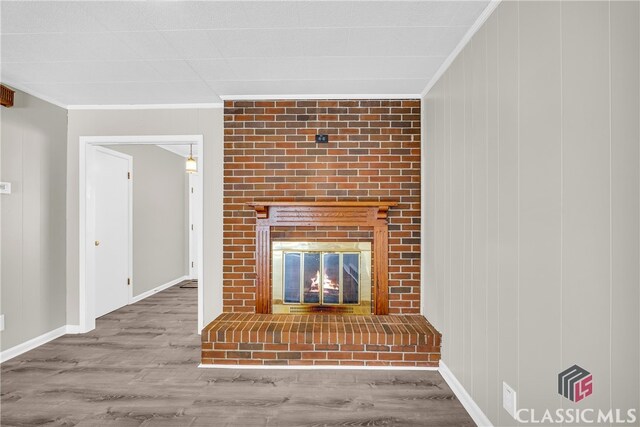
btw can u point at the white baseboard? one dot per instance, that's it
(74, 329)
(71, 329)
(320, 367)
(158, 289)
(464, 397)
(19, 349)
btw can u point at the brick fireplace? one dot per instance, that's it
(373, 154)
(372, 161)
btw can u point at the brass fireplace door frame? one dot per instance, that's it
(278, 250)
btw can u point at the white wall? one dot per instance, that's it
(206, 122)
(33, 160)
(532, 205)
(160, 216)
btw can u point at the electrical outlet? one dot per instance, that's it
(1, 322)
(5, 188)
(322, 139)
(509, 399)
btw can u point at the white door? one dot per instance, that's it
(194, 223)
(112, 195)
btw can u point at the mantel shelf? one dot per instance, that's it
(346, 204)
(262, 207)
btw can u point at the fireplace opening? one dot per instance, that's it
(321, 277)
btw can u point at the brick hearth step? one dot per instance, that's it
(320, 339)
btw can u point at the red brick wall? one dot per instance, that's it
(373, 154)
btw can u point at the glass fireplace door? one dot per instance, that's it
(309, 276)
(321, 278)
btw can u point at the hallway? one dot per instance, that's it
(139, 368)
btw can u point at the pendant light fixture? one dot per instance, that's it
(192, 166)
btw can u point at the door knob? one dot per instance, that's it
(97, 243)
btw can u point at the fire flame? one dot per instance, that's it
(326, 283)
(329, 284)
(315, 281)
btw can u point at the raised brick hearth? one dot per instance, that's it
(318, 339)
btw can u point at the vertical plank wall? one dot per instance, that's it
(531, 149)
(32, 266)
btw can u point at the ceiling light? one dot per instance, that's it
(192, 165)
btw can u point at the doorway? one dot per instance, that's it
(88, 267)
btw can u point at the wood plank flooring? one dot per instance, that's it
(139, 368)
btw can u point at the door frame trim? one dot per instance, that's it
(91, 210)
(87, 320)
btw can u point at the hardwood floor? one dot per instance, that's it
(139, 368)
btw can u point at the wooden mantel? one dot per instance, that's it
(322, 213)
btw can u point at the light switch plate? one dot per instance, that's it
(5, 188)
(1, 322)
(509, 399)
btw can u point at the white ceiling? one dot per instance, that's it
(100, 53)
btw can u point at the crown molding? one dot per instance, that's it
(318, 96)
(33, 93)
(493, 4)
(55, 102)
(146, 106)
